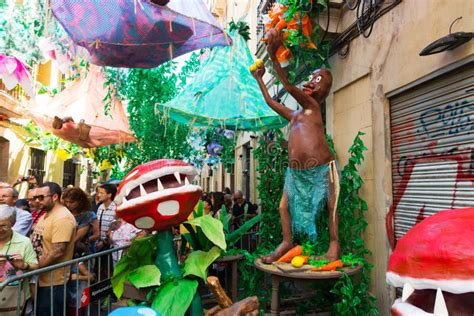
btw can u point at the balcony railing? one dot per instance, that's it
(16, 93)
(263, 8)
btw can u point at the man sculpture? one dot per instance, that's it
(311, 179)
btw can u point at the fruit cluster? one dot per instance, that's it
(256, 65)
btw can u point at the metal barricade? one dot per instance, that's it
(91, 298)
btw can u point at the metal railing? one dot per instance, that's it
(87, 295)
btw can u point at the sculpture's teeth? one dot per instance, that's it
(160, 185)
(124, 199)
(186, 181)
(142, 190)
(127, 191)
(177, 176)
(440, 308)
(407, 291)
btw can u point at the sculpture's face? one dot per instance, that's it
(319, 85)
(158, 195)
(433, 263)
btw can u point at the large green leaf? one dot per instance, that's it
(174, 298)
(120, 276)
(198, 262)
(142, 252)
(212, 228)
(145, 276)
(233, 237)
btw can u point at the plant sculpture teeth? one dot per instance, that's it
(407, 291)
(177, 176)
(440, 308)
(142, 190)
(160, 185)
(186, 181)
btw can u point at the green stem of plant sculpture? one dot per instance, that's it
(167, 262)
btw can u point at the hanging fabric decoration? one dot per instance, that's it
(138, 33)
(77, 113)
(224, 93)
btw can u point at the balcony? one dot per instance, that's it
(9, 101)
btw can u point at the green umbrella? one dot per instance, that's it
(224, 93)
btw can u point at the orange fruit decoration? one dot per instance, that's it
(274, 19)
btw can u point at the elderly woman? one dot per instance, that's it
(16, 254)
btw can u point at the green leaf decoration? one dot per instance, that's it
(212, 229)
(198, 262)
(142, 252)
(225, 218)
(174, 298)
(199, 210)
(145, 276)
(233, 237)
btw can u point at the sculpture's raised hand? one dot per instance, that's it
(273, 39)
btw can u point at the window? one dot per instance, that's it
(37, 164)
(69, 173)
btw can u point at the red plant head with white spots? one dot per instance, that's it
(158, 195)
(434, 263)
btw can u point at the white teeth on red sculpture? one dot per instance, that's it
(127, 191)
(407, 291)
(124, 199)
(186, 181)
(178, 177)
(142, 190)
(160, 185)
(440, 308)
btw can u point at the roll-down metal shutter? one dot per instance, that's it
(432, 128)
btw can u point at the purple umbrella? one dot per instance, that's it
(138, 33)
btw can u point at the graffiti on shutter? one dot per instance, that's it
(432, 127)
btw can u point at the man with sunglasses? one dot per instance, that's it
(53, 241)
(24, 221)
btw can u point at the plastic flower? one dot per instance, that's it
(214, 148)
(13, 72)
(229, 134)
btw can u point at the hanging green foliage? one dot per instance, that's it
(304, 57)
(241, 27)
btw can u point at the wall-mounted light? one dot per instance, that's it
(448, 42)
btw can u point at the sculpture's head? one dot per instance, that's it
(433, 263)
(319, 85)
(158, 195)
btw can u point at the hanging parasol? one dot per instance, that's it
(138, 33)
(77, 114)
(224, 93)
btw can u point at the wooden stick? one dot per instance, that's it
(221, 296)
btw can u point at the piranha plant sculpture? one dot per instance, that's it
(433, 263)
(157, 196)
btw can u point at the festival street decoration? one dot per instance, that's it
(224, 94)
(14, 72)
(433, 265)
(77, 113)
(139, 33)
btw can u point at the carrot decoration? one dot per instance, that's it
(293, 252)
(330, 266)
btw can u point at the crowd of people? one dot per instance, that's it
(54, 225)
(235, 204)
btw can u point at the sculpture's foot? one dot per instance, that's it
(333, 252)
(279, 251)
